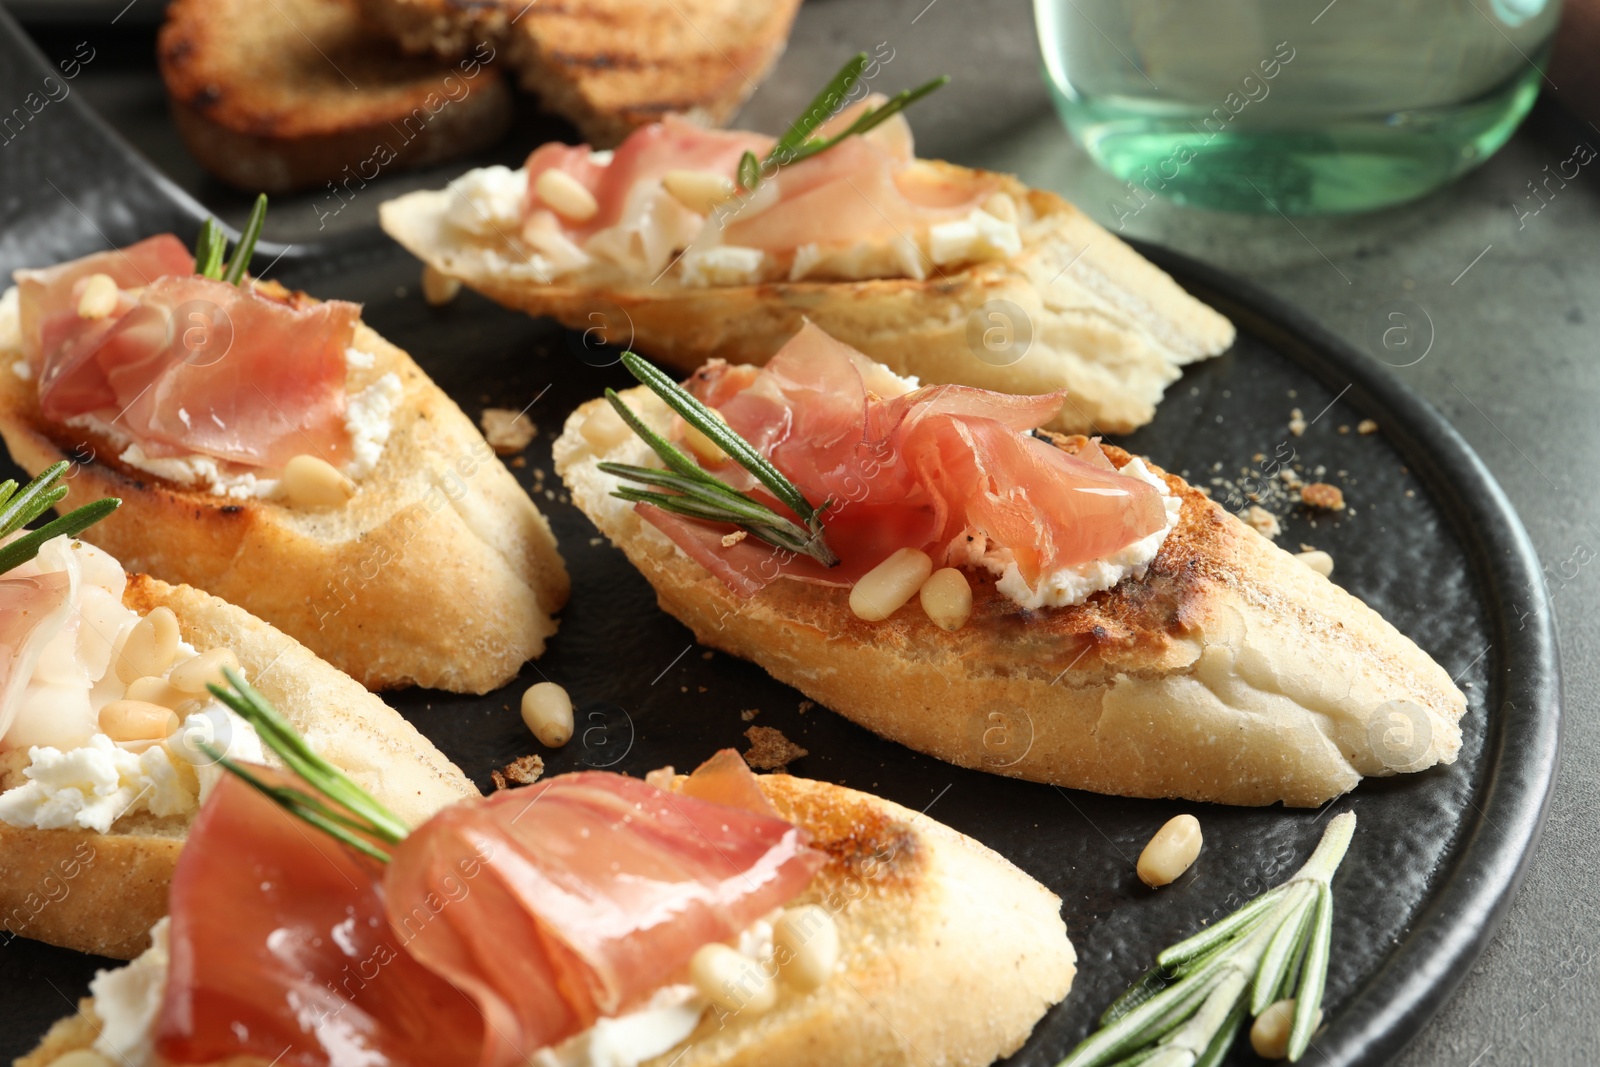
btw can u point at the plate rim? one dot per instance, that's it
(1474, 888)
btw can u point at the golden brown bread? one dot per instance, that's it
(949, 954)
(1106, 325)
(609, 65)
(101, 893)
(1231, 673)
(293, 93)
(439, 572)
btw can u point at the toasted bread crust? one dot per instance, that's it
(1106, 325)
(440, 572)
(1231, 672)
(287, 95)
(101, 893)
(609, 65)
(949, 954)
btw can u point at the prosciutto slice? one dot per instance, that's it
(921, 469)
(247, 374)
(500, 927)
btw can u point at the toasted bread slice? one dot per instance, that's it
(609, 66)
(1104, 323)
(101, 893)
(439, 572)
(1231, 672)
(949, 954)
(289, 94)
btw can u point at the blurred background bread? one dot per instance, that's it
(272, 97)
(609, 66)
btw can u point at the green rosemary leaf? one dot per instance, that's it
(1146, 986)
(8, 487)
(1313, 976)
(300, 805)
(209, 249)
(823, 106)
(1143, 1056)
(299, 757)
(681, 484)
(749, 172)
(1283, 946)
(245, 249)
(1223, 1040)
(1247, 917)
(71, 524)
(21, 508)
(696, 414)
(670, 454)
(893, 106)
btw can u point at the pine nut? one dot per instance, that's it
(1170, 852)
(149, 647)
(1269, 1034)
(99, 297)
(806, 944)
(731, 980)
(310, 482)
(152, 689)
(705, 449)
(698, 190)
(604, 429)
(439, 288)
(547, 709)
(1001, 206)
(1320, 562)
(947, 598)
(134, 720)
(192, 676)
(884, 589)
(566, 196)
(81, 1057)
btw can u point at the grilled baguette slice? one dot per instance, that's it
(609, 65)
(1231, 672)
(1104, 323)
(439, 572)
(101, 893)
(294, 93)
(949, 954)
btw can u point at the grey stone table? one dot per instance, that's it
(1513, 304)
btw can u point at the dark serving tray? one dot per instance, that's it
(1429, 541)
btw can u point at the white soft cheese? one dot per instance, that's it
(1077, 583)
(369, 419)
(628, 1040)
(11, 328)
(94, 785)
(488, 201)
(978, 237)
(722, 265)
(898, 257)
(197, 472)
(127, 1000)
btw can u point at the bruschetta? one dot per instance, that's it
(691, 244)
(1036, 605)
(109, 739)
(705, 920)
(272, 449)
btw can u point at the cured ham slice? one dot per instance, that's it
(617, 882)
(189, 365)
(281, 951)
(500, 926)
(920, 469)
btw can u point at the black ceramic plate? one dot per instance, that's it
(1429, 541)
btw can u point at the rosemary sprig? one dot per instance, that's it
(212, 245)
(797, 143)
(337, 806)
(17, 509)
(698, 494)
(1185, 1011)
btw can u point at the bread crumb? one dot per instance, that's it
(525, 770)
(749, 713)
(1289, 477)
(1297, 422)
(519, 461)
(1324, 496)
(706, 654)
(1366, 426)
(729, 540)
(596, 542)
(1264, 521)
(507, 431)
(807, 705)
(770, 750)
